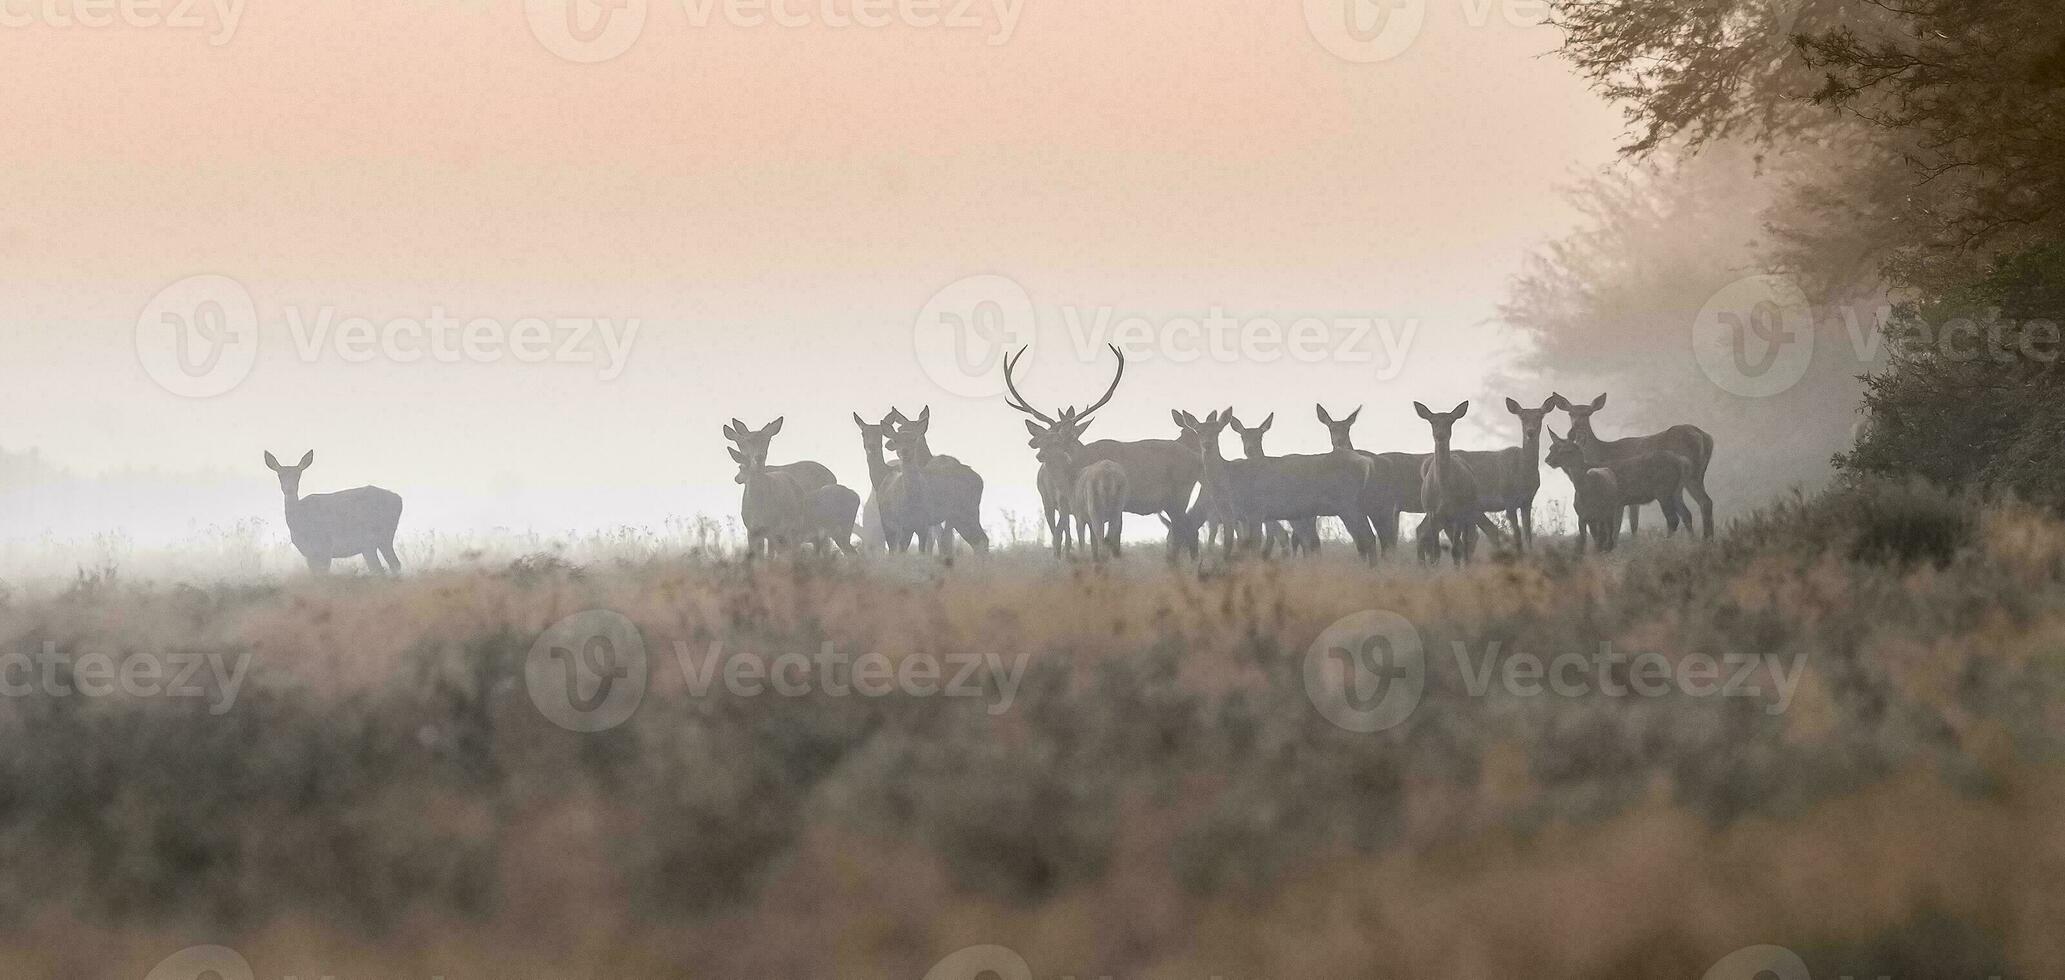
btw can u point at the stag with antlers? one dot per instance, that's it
(1161, 474)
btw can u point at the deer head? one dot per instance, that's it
(750, 466)
(1068, 422)
(750, 442)
(1206, 430)
(1564, 453)
(290, 476)
(1531, 418)
(908, 438)
(1443, 423)
(1337, 429)
(1251, 436)
(1580, 415)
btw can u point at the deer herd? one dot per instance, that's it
(1204, 500)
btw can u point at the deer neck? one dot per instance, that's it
(1444, 459)
(920, 455)
(878, 465)
(1342, 442)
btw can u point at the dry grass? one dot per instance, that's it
(1160, 799)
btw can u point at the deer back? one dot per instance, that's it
(344, 523)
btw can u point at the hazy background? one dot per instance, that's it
(775, 206)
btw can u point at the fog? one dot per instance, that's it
(526, 292)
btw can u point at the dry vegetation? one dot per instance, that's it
(1160, 799)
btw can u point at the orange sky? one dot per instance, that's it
(774, 205)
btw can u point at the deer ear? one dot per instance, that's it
(1351, 415)
(306, 458)
(925, 415)
(1550, 402)
(1177, 414)
(1267, 422)
(735, 429)
(857, 421)
(1599, 402)
(1033, 429)
(1324, 418)
(774, 427)
(1461, 410)
(1556, 401)
(1082, 428)
(735, 455)
(272, 463)
(1512, 406)
(1424, 413)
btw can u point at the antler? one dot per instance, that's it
(1017, 400)
(1070, 415)
(1108, 392)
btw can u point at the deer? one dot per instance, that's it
(1394, 484)
(327, 526)
(751, 442)
(1604, 491)
(1161, 474)
(1099, 503)
(780, 514)
(891, 508)
(1056, 479)
(1448, 490)
(1302, 535)
(1246, 492)
(946, 494)
(1688, 441)
(1509, 478)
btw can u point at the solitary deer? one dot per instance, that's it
(328, 526)
(1448, 489)
(1246, 492)
(1394, 483)
(1603, 491)
(947, 494)
(1302, 535)
(1161, 474)
(1689, 441)
(1509, 478)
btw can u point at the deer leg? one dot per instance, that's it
(1697, 488)
(372, 559)
(971, 531)
(1634, 519)
(387, 552)
(1358, 525)
(1116, 529)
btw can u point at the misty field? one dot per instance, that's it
(1042, 770)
